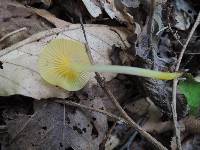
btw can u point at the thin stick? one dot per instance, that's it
(101, 82)
(175, 82)
(173, 105)
(12, 33)
(70, 103)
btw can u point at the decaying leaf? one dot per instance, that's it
(19, 72)
(52, 128)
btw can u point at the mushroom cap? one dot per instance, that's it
(56, 64)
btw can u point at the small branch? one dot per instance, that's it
(70, 103)
(175, 82)
(101, 82)
(173, 105)
(12, 33)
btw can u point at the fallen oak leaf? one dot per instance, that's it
(20, 72)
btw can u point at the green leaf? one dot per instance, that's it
(191, 89)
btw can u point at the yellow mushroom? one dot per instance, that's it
(65, 63)
(56, 64)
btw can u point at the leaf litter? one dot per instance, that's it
(46, 127)
(57, 126)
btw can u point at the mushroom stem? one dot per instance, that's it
(129, 71)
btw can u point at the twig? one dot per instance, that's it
(12, 33)
(32, 38)
(101, 82)
(175, 82)
(70, 103)
(173, 105)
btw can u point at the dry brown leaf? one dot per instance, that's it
(50, 128)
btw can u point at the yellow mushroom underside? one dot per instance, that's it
(56, 61)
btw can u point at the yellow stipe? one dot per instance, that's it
(56, 64)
